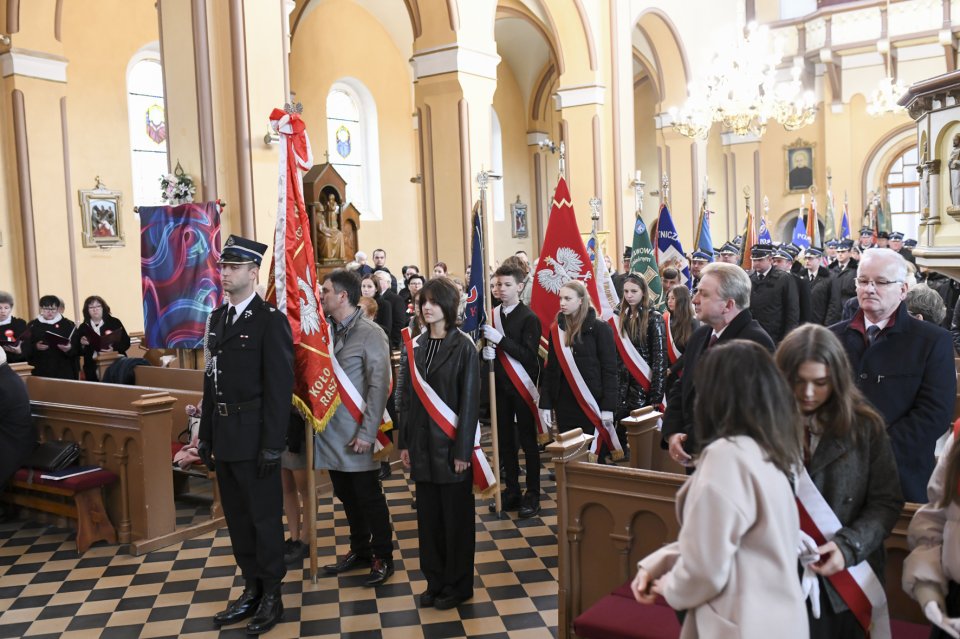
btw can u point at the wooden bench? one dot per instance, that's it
(79, 498)
(610, 517)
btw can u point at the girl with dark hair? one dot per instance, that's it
(733, 568)
(848, 458)
(384, 317)
(48, 343)
(679, 321)
(639, 335)
(579, 381)
(442, 383)
(100, 332)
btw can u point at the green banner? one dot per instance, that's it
(644, 263)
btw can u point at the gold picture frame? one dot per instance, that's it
(799, 166)
(102, 216)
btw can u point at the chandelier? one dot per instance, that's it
(883, 99)
(740, 90)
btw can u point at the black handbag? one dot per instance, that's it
(53, 456)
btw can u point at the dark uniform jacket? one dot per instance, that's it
(122, 345)
(251, 365)
(596, 357)
(652, 347)
(17, 432)
(679, 415)
(455, 376)
(384, 317)
(774, 303)
(11, 332)
(908, 374)
(52, 362)
(842, 287)
(521, 341)
(858, 479)
(398, 317)
(819, 293)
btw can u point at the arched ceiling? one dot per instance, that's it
(523, 49)
(393, 15)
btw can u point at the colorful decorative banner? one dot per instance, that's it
(669, 248)
(179, 251)
(474, 314)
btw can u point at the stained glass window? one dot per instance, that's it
(345, 143)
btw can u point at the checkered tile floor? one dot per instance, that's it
(46, 590)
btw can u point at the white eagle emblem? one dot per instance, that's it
(567, 266)
(309, 312)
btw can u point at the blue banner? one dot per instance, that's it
(473, 315)
(763, 236)
(800, 237)
(704, 240)
(844, 225)
(669, 248)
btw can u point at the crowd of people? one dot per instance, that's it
(812, 375)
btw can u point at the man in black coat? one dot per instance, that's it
(398, 308)
(783, 260)
(17, 432)
(817, 278)
(903, 365)
(774, 300)
(896, 244)
(380, 264)
(517, 336)
(247, 394)
(722, 302)
(698, 259)
(843, 286)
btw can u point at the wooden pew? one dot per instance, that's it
(118, 428)
(22, 369)
(610, 517)
(644, 438)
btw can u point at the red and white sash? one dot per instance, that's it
(858, 585)
(444, 416)
(520, 379)
(583, 396)
(355, 404)
(632, 359)
(673, 353)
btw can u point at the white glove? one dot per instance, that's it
(492, 334)
(808, 551)
(607, 418)
(546, 417)
(810, 587)
(934, 614)
(489, 353)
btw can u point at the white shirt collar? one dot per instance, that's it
(56, 318)
(506, 310)
(241, 306)
(6, 321)
(882, 324)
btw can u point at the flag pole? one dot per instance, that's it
(483, 178)
(311, 504)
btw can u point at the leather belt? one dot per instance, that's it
(225, 410)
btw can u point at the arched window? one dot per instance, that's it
(148, 126)
(903, 191)
(496, 165)
(352, 140)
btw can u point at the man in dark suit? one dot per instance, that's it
(818, 279)
(896, 244)
(380, 264)
(698, 259)
(247, 394)
(619, 276)
(722, 302)
(783, 260)
(843, 285)
(774, 301)
(903, 365)
(399, 309)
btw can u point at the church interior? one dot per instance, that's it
(636, 103)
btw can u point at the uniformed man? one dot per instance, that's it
(729, 253)
(830, 249)
(883, 239)
(774, 301)
(247, 394)
(844, 283)
(783, 260)
(866, 239)
(698, 259)
(617, 277)
(897, 244)
(817, 277)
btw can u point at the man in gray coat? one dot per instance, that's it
(345, 447)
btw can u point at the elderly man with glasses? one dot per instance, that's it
(903, 365)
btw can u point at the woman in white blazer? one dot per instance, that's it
(733, 568)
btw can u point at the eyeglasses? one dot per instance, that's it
(863, 282)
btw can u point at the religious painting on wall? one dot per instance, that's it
(798, 158)
(101, 212)
(519, 216)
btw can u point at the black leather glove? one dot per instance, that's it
(268, 462)
(204, 452)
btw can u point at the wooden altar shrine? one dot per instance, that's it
(333, 227)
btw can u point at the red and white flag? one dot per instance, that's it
(293, 288)
(563, 258)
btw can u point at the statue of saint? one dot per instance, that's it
(329, 236)
(954, 165)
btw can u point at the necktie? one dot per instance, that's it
(872, 333)
(231, 315)
(713, 340)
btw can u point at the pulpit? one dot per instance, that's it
(334, 225)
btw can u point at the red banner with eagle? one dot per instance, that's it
(293, 286)
(563, 258)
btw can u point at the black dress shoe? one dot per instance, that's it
(507, 502)
(295, 553)
(385, 470)
(268, 614)
(380, 571)
(530, 507)
(448, 601)
(350, 561)
(427, 599)
(242, 608)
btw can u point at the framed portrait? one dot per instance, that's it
(518, 212)
(798, 166)
(102, 220)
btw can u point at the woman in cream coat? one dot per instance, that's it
(734, 567)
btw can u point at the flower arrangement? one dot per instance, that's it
(177, 187)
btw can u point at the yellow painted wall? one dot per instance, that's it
(99, 145)
(322, 55)
(645, 148)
